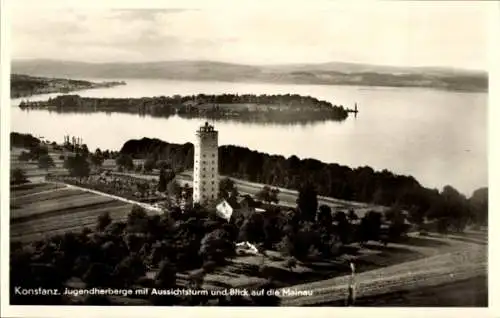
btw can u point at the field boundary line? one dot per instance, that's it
(141, 204)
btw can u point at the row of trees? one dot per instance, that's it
(362, 184)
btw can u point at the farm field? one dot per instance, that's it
(42, 209)
(450, 260)
(31, 168)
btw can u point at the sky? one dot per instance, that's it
(404, 33)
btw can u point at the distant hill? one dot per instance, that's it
(334, 73)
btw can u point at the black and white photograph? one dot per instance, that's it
(246, 154)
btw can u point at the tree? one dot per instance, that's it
(167, 275)
(252, 229)
(149, 164)
(342, 228)
(97, 159)
(137, 220)
(396, 219)
(24, 156)
(128, 270)
(77, 166)
(125, 161)
(18, 176)
(268, 195)
(479, 206)
(227, 189)
(163, 164)
(45, 162)
(369, 229)
(37, 151)
(307, 202)
(325, 215)
(162, 182)
(103, 221)
(216, 246)
(174, 189)
(451, 210)
(165, 177)
(84, 150)
(142, 187)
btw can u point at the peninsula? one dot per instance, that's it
(26, 85)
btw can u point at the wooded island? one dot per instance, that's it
(286, 108)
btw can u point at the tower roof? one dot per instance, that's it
(206, 128)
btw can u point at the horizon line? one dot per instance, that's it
(451, 68)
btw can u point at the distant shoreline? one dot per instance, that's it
(304, 74)
(26, 85)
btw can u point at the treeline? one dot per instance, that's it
(268, 108)
(362, 184)
(23, 140)
(25, 85)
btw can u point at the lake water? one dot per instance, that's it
(438, 137)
